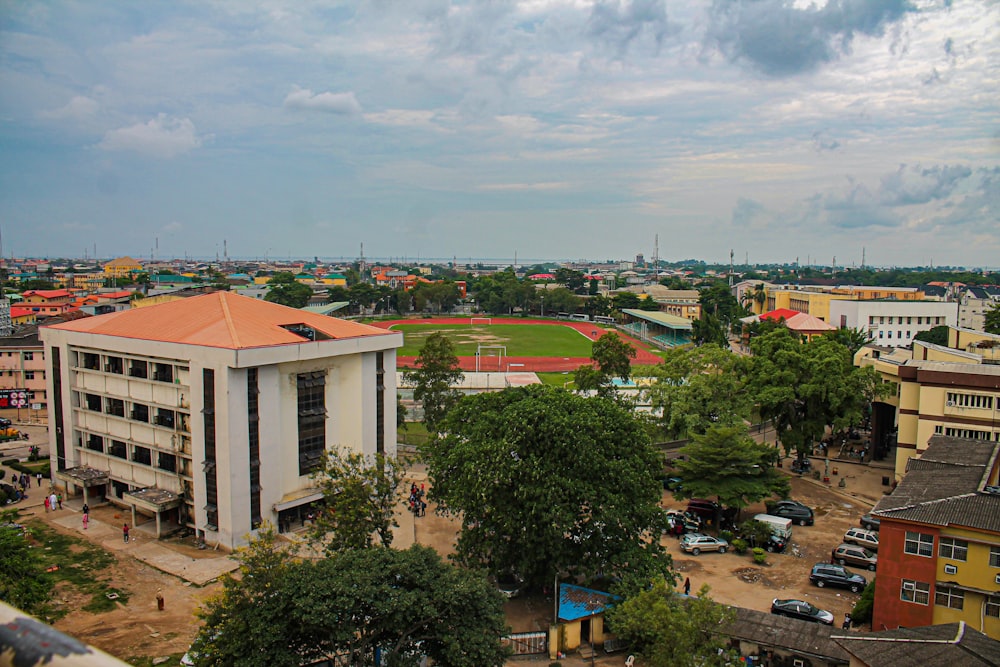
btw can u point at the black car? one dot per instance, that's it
(826, 574)
(801, 466)
(708, 510)
(791, 509)
(870, 522)
(801, 610)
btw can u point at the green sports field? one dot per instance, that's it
(536, 340)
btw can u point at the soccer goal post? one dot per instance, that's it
(473, 321)
(500, 350)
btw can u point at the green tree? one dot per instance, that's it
(518, 467)
(862, 612)
(284, 289)
(23, 582)
(362, 295)
(403, 604)
(727, 463)
(669, 630)
(573, 280)
(708, 330)
(612, 357)
(992, 320)
(436, 371)
(623, 300)
(935, 336)
(597, 305)
(338, 293)
(360, 496)
(805, 387)
(649, 304)
(696, 388)
(852, 339)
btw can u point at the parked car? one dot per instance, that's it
(708, 510)
(672, 483)
(695, 543)
(866, 538)
(691, 522)
(509, 585)
(791, 509)
(801, 610)
(801, 466)
(852, 554)
(871, 522)
(5, 423)
(826, 574)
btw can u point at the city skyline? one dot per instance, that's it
(551, 128)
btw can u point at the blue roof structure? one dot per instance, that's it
(576, 602)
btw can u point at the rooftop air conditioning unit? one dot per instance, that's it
(950, 404)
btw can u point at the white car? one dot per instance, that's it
(866, 538)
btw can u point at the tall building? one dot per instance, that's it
(939, 541)
(211, 412)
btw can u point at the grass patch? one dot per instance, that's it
(32, 467)
(81, 566)
(415, 434)
(147, 661)
(557, 379)
(536, 340)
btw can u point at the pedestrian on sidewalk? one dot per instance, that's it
(86, 515)
(38, 476)
(52, 502)
(125, 533)
(59, 500)
(687, 586)
(46, 504)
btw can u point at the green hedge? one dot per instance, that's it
(30, 468)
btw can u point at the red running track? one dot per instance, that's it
(529, 364)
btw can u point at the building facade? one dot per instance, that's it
(212, 412)
(892, 323)
(22, 364)
(939, 541)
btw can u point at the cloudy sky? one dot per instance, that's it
(550, 128)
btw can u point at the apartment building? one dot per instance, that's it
(939, 391)
(122, 267)
(892, 323)
(22, 363)
(939, 542)
(212, 412)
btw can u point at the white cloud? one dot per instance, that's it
(163, 136)
(303, 99)
(76, 108)
(523, 187)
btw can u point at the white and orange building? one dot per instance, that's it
(212, 412)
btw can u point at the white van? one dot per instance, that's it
(779, 526)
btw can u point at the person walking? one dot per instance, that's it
(847, 622)
(86, 515)
(52, 502)
(125, 533)
(687, 586)
(59, 500)
(46, 504)
(38, 478)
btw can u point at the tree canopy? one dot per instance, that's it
(935, 336)
(284, 289)
(670, 630)
(992, 320)
(611, 357)
(401, 604)
(805, 387)
(23, 582)
(698, 387)
(360, 496)
(549, 483)
(436, 371)
(727, 463)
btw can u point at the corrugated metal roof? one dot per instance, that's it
(947, 645)
(664, 319)
(773, 631)
(576, 602)
(220, 319)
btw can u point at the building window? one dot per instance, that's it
(114, 365)
(164, 418)
(93, 402)
(115, 406)
(57, 405)
(916, 592)
(138, 369)
(140, 412)
(29, 356)
(920, 544)
(312, 419)
(890, 335)
(95, 443)
(380, 402)
(955, 549)
(969, 400)
(253, 430)
(994, 556)
(142, 455)
(949, 597)
(163, 372)
(91, 361)
(119, 449)
(29, 375)
(993, 607)
(166, 462)
(909, 320)
(211, 481)
(881, 334)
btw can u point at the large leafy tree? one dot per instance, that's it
(699, 387)
(23, 582)
(727, 463)
(936, 335)
(519, 467)
(852, 339)
(362, 606)
(669, 630)
(992, 317)
(360, 496)
(287, 291)
(611, 357)
(623, 300)
(805, 387)
(436, 371)
(435, 297)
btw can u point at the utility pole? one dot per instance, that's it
(730, 267)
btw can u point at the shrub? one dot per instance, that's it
(759, 556)
(862, 612)
(739, 546)
(727, 535)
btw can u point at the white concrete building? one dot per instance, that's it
(211, 412)
(892, 323)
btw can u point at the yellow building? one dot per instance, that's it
(123, 267)
(815, 300)
(939, 391)
(939, 541)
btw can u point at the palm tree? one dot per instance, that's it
(760, 296)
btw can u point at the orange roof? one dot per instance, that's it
(219, 319)
(114, 295)
(47, 293)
